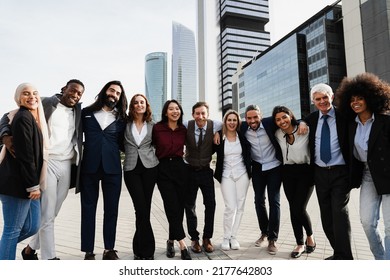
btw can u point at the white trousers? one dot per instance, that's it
(234, 195)
(57, 187)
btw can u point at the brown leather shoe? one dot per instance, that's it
(110, 255)
(195, 246)
(207, 246)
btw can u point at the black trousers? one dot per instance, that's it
(140, 183)
(298, 185)
(203, 180)
(333, 196)
(171, 182)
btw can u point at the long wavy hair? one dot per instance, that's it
(121, 106)
(230, 112)
(148, 111)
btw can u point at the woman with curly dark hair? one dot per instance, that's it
(365, 99)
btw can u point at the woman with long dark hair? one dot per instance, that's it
(169, 136)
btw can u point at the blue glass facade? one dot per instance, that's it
(156, 82)
(184, 68)
(284, 73)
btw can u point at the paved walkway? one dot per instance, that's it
(68, 231)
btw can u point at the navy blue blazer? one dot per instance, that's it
(270, 128)
(378, 154)
(101, 147)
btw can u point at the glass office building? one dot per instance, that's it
(242, 36)
(284, 73)
(184, 68)
(156, 82)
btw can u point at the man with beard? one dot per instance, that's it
(103, 125)
(63, 116)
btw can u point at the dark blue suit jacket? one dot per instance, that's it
(270, 127)
(101, 147)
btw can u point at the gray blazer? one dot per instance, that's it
(145, 151)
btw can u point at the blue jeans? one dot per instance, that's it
(21, 220)
(272, 180)
(370, 203)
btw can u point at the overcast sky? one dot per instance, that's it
(48, 42)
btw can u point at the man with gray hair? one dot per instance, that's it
(329, 154)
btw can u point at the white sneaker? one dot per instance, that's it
(225, 246)
(234, 244)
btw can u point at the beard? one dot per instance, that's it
(110, 102)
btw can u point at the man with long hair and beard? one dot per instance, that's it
(103, 125)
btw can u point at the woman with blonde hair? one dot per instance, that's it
(233, 171)
(22, 175)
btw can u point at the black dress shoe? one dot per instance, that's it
(31, 256)
(310, 249)
(296, 255)
(143, 258)
(89, 256)
(170, 249)
(110, 255)
(185, 255)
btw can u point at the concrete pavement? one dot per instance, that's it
(67, 230)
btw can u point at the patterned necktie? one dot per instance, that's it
(325, 154)
(200, 140)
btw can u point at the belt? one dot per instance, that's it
(330, 167)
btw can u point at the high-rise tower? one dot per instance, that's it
(242, 36)
(184, 70)
(156, 81)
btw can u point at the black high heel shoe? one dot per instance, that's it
(310, 249)
(185, 255)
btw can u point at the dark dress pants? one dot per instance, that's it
(171, 182)
(89, 193)
(298, 185)
(203, 180)
(270, 179)
(140, 183)
(333, 197)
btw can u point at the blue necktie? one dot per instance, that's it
(200, 140)
(325, 154)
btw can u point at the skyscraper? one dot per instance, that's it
(184, 70)
(242, 36)
(156, 81)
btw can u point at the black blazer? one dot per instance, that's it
(22, 172)
(246, 154)
(378, 155)
(343, 137)
(101, 147)
(270, 128)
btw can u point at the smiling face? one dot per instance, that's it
(322, 102)
(358, 104)
(113, 94)
(283, 121)
(200, 116)
(72, 94)
(29, 98)
(231, 122)
(253, 119)
(173, 112)
(139, 105)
